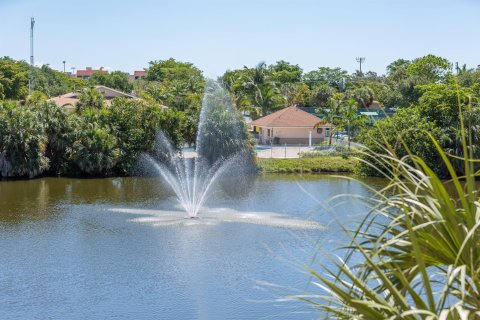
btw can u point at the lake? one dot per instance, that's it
(120, 248)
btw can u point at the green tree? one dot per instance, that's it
(116, 80)
(333, 112)
(51, 82)
(90, 98)
(334, 77)
(58, 126)
(22, 142)
(13, 79)
(95, 150)
(172, 70)
(133, 123)
(321, 94)
(263, 93)
(285, 73)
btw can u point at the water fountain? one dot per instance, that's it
(222, 151)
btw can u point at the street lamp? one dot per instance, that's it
(360, 60)
(64, 65)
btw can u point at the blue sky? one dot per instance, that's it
(218, 35)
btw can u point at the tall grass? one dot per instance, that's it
(419, 246)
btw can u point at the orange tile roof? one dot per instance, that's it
(289, 117)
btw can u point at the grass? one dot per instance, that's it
(307, 165)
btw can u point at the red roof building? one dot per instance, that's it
(88, 72)
(291, 126)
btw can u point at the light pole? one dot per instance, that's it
(64, 65)
(360, 60)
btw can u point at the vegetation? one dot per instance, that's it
(417, 253)
(436, 113)
(424, 91)
(307, 164)
(117, 80)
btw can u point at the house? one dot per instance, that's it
(88, 72)
(291, 126)
(69, 100)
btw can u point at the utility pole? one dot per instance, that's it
(64, 65)
(360, 60)
(30, 78)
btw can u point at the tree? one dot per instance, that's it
(297, 94)
(171, 70)
(363, 96)
(95, 151)
(58, 126)
(263, 93)
(335, 77)
(332, 114)
(117, 80)
(429, 69)
(51, 82)
(285, 73)
(13, 79)
(321, 94)
(90, 98)
(22, 142)
(134, 123)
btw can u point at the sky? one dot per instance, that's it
(218, 35)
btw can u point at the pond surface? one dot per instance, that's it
(120, 249)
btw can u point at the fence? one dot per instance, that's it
(295, 150)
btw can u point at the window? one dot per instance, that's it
(319, 130)
(327, 132)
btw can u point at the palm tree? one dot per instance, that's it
(90, 98)
(262, 92)
(332, 114)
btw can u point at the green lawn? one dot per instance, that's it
(307, 165)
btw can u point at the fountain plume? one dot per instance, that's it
(223, 149)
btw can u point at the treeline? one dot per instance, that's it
(37, 137)
(428, 93)
(44, 139)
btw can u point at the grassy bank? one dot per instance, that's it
(307, 165)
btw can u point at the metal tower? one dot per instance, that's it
(30, 78)
(360, 60)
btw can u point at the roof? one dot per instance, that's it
(88, 72)
(368, 113)
(72, 98)
(290, 117)
(139, 73)
(66, 99)
(112, 93)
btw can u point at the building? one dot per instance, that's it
(69, 100)
(291, 126)
(88, 72)
(376, 112)
(137, 75)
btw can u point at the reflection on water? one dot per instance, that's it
(119, 248)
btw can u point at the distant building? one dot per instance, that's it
(69, 100)
(137, 75)
(291, 126)
(376, 112)
(88, 72)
